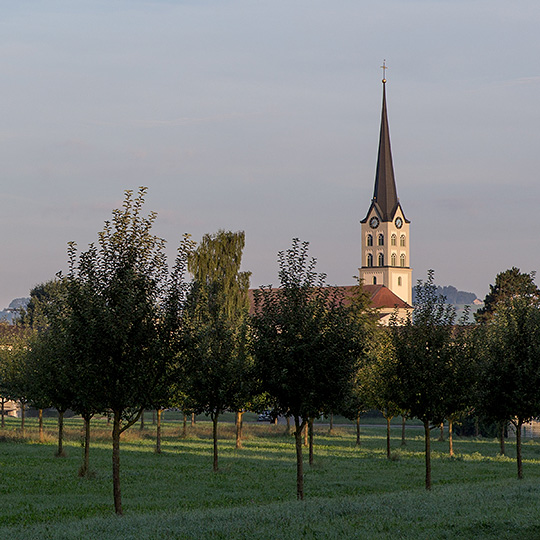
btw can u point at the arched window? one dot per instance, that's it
(369, 240)
(402, 260)
(374, 280)
(402, 240)
(399, 281)
(393, 240)
(381, 239)
(381, 259)
(393, 259)
(370, 259)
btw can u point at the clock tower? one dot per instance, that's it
(385, 229)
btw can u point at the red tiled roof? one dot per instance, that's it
(381, 296)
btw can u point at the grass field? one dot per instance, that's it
(350, 492)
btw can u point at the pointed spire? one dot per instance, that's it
(385, 192)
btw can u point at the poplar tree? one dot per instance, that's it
(218, 367)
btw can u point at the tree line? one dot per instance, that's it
(122, 332)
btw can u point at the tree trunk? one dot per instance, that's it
(427, 436)
(288, 428)
(193, 420)
(358, 429)
(142, 421)
(450, 437)
(388, 419)
(331, 423)
(441, 436)
(299, 427)
(214, 417)
(502, 429)
(3, 412)
(310, 433)
(40, 420)
(153, 417)
(184, 427)
(518, 448)
(158, 431)
(60, 450)
(23, 417)
(239, 426)
(403, 420)
(117, 495)
(306, 435)
(85, 467)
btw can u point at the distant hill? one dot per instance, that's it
(453, 296)
(10, 313)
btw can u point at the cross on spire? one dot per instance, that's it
(384, 68)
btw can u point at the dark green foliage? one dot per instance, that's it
(432, 362)
(308, 344)
(122, 301)
(218, 368)
(508, 284)
(424, 348)
(510, 368)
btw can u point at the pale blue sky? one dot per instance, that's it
(264, 116)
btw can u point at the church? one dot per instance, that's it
(385, 269)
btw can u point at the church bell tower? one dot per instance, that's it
(385, 229)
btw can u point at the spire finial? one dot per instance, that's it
(384, 68)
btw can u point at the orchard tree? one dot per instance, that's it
(307, 343)
(218, 370)
(117, 292)
(50, 366)
(14, 372)
(381, 384)
(511, 367)
(424, 365)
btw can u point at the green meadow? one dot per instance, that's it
(351, 492)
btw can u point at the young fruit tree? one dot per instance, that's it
(118, 295)
(426, 363)
(307, 343)
(510, 367)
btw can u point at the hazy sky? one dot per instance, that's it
(264, 116)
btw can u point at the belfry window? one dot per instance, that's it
(402, 260)
(393, 259)
(381, 259)
(369, 240)
(393, 240)
(381, 240)
(374, 280)
(402, 240)
(370, 260)
(399, 281)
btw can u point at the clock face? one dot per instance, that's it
(374, 222)
(399, 223)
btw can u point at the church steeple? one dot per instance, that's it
(385, 192)
(385, 229)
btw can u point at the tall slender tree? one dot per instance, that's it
(218, 373)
